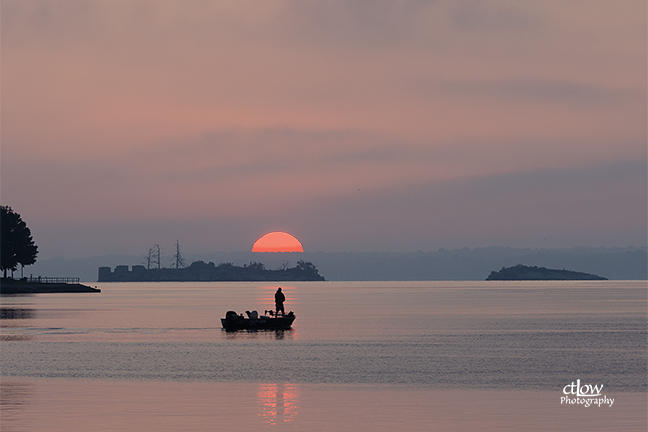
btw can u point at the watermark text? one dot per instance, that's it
(586, 394)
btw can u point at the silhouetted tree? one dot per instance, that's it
(17, 244)
(200, 264)
(255, 266)
(306, 266)
(308, 269)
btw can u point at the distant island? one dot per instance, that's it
(522, 272)
(199, 271)
(44, 286)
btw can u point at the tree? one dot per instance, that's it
(306, 266)
(307, 269)
(200, 264)
(17, 244)
(255, 266)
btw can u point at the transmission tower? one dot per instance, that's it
(179, 261)
(154, 257)
(149, 258)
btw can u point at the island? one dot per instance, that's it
(199, 271)
(521, 272)
(44, 286)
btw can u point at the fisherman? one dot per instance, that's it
(279, 301)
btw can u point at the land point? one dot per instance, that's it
(44, 286)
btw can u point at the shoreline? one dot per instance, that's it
(12, 286)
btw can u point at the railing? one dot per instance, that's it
(57, 280)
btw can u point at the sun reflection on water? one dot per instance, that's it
(278, 403)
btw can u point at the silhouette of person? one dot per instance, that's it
(280, 298)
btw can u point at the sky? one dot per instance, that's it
(354, 125)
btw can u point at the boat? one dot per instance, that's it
(254, 321)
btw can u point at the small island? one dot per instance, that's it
(521, 272)
(199, 271)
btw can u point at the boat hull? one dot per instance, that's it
(261, 323)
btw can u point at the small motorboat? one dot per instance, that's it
(254, 321)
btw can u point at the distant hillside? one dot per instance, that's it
(476, 264)
(521, 272)
(630, 263)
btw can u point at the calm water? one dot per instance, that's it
(370, 355)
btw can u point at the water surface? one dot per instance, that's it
(502, 351)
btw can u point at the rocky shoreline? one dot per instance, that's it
(13, 286)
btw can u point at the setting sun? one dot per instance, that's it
(277, 242)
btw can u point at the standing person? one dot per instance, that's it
(279, 301)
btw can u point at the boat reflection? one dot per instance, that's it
(17, 313)
(288, 334)
(9, 319)
(278, 403)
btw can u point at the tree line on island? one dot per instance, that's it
(209, 272)
(534, 273)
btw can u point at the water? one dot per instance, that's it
(379, 355)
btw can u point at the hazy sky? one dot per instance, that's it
(355, 125)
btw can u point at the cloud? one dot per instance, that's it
(234, 173)
(588, 206)
(494, 16)
(537, 91)
(123, 113)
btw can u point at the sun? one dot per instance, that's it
(277, 242)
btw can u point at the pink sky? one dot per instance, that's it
(353, 125)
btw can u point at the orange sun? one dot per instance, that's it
(277, 242)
